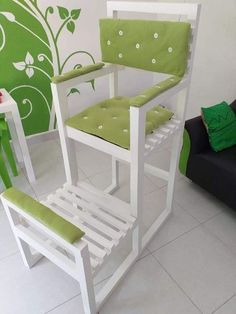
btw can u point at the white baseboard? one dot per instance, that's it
(42, 137)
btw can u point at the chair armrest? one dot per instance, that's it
(77, 72)
(82, 75)
(151, 93)
(198, 135)
(43, 215)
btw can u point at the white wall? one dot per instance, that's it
(215, 61)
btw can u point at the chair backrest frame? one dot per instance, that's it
(191, 11)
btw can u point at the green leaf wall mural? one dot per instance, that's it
(30, 56)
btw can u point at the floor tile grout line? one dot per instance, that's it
(99, 282)
(152, 181)
(61, 304)
(220, 212)
(178, 285)
(218, 308)
(190, 230)
(8, 256)
(97, 173)
(179, 236)
(78, 294)
(219, 239)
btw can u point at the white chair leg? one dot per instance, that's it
(113, 91)
(29, 259)
(182, 99)
(173, 168)
(67, 145)
(114, 186)
(86, 281)
(137, 142)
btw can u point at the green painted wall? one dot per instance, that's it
(29, 56)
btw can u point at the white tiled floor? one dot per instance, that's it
(188, 268)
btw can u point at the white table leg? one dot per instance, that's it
(14, 137)
(22, 143)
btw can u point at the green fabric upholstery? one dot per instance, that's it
(154, 91)
(6, 147)
(110, 120)
(5, 141)
(3, 172)
(157, 46)
(77, 72)
(184, 155)
(220, 121)
(44, 215)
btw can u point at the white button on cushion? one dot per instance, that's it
(155, 35)
(121, 33)
(100, 127)
(137, 46)
(170, 49)
(85, 118)
(154, 61)
(125, 130)
(114, 118)
(108, 42)
(120, 55)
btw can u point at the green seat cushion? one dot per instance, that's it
(109, 120)
(157, 46)
(44, 215)
(77, 72)
(220, 122)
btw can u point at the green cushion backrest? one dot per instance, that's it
(44, 215)
(157, 46)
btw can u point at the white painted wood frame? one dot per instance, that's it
(106, 220)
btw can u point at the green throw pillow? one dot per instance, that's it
(220, 121)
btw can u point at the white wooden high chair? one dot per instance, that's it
(87, 223)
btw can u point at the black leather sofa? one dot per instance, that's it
(215, 172)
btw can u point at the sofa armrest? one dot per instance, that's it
(233, 105)
(198, 135)
(195, 140)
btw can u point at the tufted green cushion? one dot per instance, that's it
(77, 72)
(157, 46)
(43, 214)
(110, 120)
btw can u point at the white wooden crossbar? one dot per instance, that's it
(156, 139)
(188, 9)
